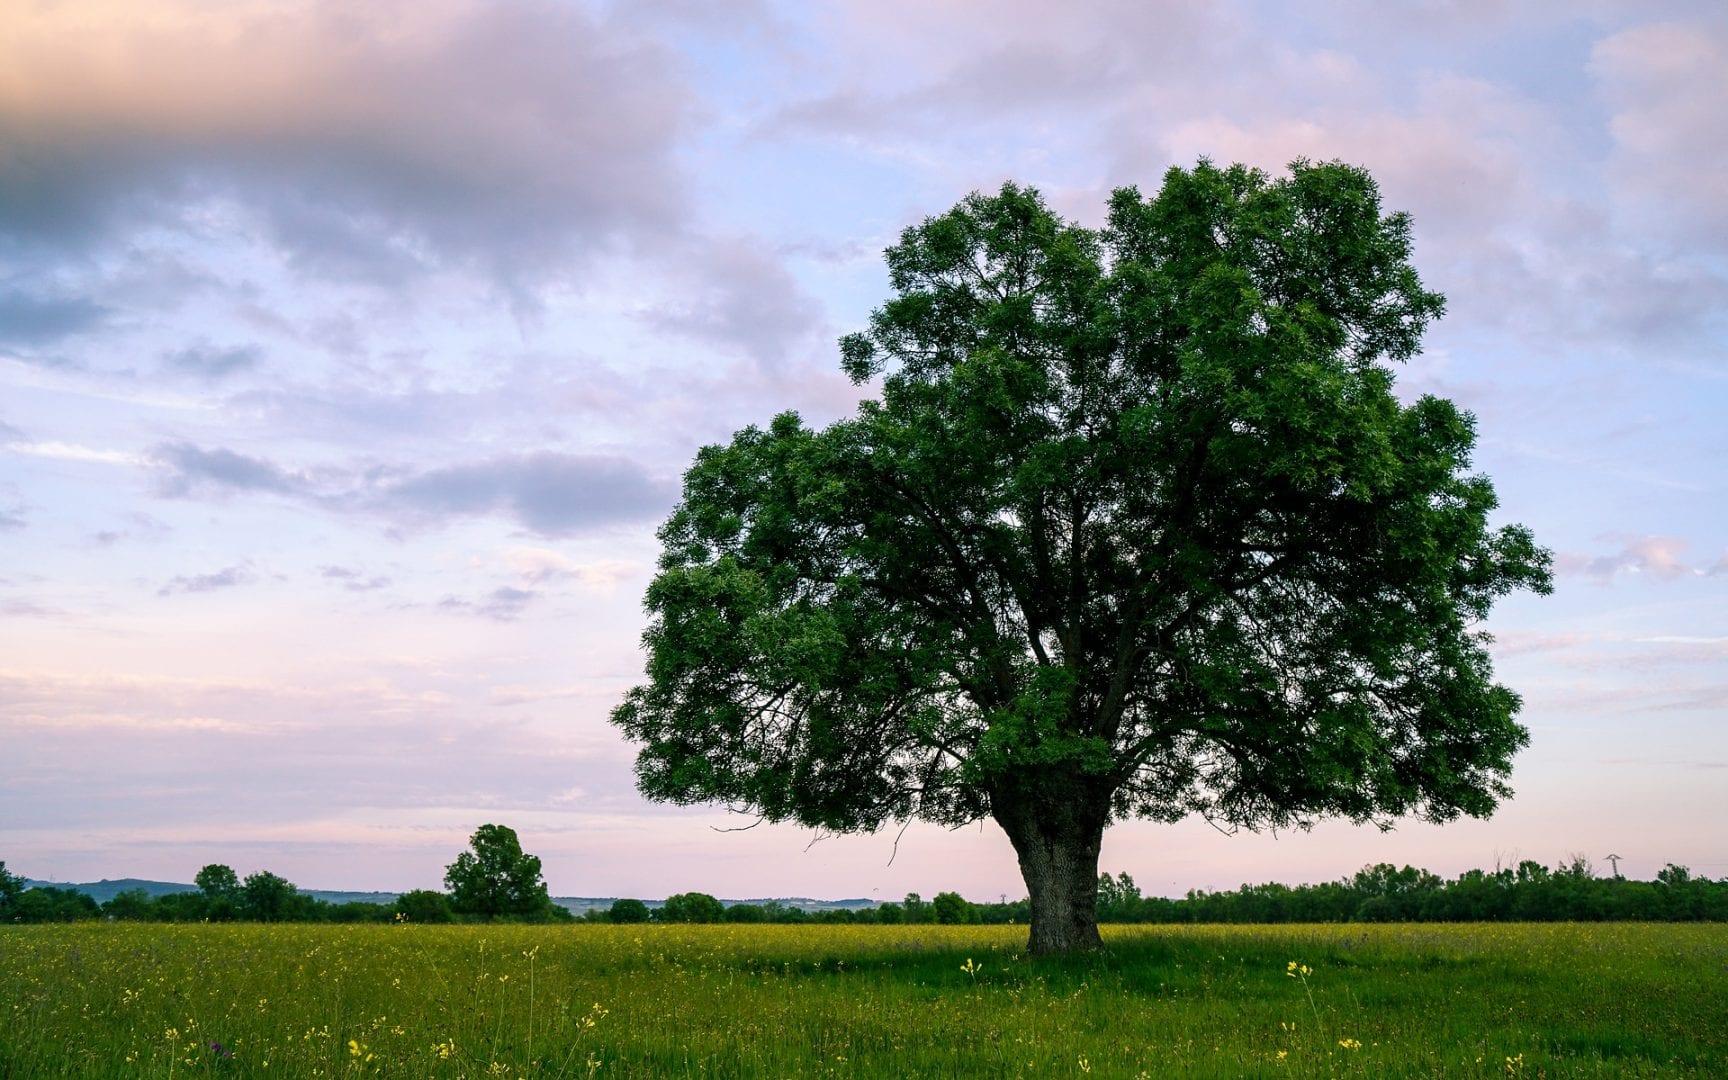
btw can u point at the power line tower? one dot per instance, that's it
(1614, 861)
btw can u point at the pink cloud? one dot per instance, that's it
(1664, 83)
(1659, 557)
(370, 135)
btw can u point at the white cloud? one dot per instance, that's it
(62, 451)
(539, 566)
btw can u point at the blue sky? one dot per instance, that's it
(350, 354)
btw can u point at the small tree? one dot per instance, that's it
(132, 905)
(1118, 897)
(692, 907)
(267, 897)
(424, 906)
(628, 911)
(950, 908)
(217, 882)
(497, 878)
(219, 888)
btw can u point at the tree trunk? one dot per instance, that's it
(1057, 840)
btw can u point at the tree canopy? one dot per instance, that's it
(1136, 528)
(497, 878)
(217, 881)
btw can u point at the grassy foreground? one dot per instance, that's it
(809, 1001)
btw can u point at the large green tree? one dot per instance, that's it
(1136, 528)
(497, 878)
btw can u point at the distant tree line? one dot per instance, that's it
(494, 881)
(1529, 892)
(497, 885)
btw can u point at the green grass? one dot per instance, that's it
(147, 1000)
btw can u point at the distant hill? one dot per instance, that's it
(105, 890)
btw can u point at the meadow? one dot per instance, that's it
(1451, 1000)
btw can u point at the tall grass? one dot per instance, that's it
(803, 1001)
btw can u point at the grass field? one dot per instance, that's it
(805, 1001)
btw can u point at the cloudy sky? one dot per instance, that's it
(350, 354)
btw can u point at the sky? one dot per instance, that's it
(350, 355)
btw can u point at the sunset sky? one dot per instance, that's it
(350, 355)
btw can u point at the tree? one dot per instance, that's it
(130, 905)
(627, 910)
(267, 897)
(1136, 528)
(1118, 897)
(46, 903)
(950, 908)
(424, 906)
(11, 888)
(497, 878)
(220, 887)
(217, 882)
(691, 907)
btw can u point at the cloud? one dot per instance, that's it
(508, 136)
(1664, 84)
(227, 578)
(32, 320)
(549, 493)
(553, 494)
(60, 451)
(353, 580)
(141, 526)
(503, 604)
(185, 470)
(1518, 643)
(211, 363)
(541, 566)
(977, 92)
(1659, 557)
(740, 297)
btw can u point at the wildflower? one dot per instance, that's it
(1350, 1044)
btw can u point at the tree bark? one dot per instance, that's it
(1057, 840)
